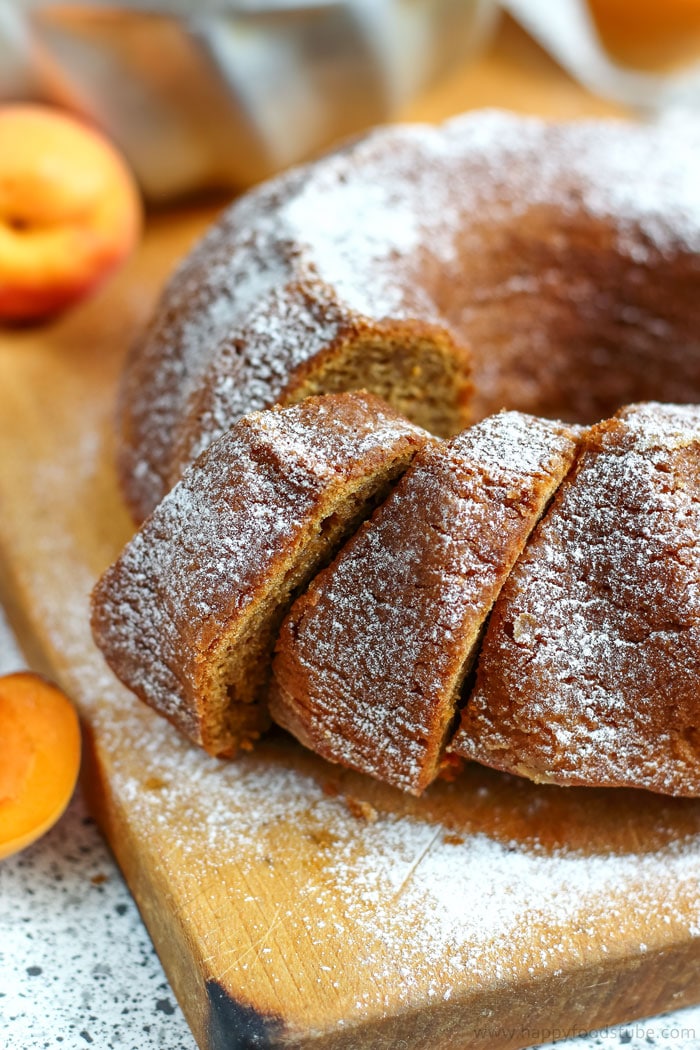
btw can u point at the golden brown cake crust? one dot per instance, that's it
(557, 263)
(590, 668)
(371, 659)
(199, 586)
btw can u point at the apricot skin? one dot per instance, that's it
(39, 758)
(70, 211)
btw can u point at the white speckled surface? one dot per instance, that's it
(77, 967)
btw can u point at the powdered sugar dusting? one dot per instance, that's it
(390, 230)
(589, 672)
(212, 549)
(642, 178)
(512, 444)
(371, 658)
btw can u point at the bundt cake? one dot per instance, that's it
(372, 658)
(590, 668)
(492, 262)
(188, 615)
(495, 261)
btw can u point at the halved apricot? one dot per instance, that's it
(39, 758)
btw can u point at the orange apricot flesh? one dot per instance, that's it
(39, 758)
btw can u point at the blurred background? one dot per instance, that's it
(205, 94)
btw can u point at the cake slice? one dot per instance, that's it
(372, 659)
(187, 617)
(590, 668)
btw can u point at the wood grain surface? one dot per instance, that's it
(294, 904)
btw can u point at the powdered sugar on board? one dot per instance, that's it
(450, 905)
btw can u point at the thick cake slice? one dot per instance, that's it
(188, 615)
(372, 659)
(590, 669)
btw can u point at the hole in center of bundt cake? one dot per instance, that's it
(424, 377)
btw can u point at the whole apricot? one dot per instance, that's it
(70, 211)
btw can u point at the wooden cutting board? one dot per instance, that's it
(294, 904)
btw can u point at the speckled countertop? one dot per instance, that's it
(77, 967)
